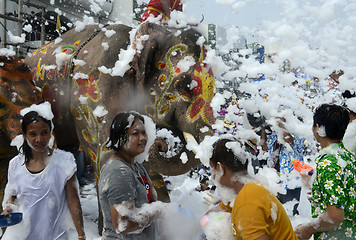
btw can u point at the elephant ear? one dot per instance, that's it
(148, 43)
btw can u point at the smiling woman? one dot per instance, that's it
(124, 185)
(42, 183)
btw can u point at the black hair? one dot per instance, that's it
(227, 157)
(334, 118)
(29, 118)
(257, 122)
(118, 129)
(346, 95)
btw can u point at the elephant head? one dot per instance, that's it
(171, 67)
(163, 76)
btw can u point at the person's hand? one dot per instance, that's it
(209, 199)
(7, 211)
(309, 196)
(303, 231)
(306, 180)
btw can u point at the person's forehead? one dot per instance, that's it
(137, 124)
(37, 126)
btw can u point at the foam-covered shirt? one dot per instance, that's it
(41, 198)
(257, 212)
(294, 151)
(119, 183)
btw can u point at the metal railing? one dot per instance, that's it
(20, 20)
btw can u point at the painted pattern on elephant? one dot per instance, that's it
(202, 88)
(17, 91)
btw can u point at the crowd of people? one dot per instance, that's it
(42, 180)
(42, 183)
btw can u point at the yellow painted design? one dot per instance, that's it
(91, 133)
(201, 101)
(76, 43)
(164, 109)
(44, 48)
(162, 80)
(76, 114)
(86, 112)
(170, 97)
(87, 136)
(47, 44)
(161, 65)
(40, 70)
(208, 84)
(92, 155)
(182, 48)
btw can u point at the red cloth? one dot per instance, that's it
(155, 8)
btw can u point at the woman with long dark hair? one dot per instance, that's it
(42, 183)
(126, 191)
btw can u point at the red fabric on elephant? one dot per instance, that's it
(155, 8)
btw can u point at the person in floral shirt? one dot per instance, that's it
(281, 153)
(333, 193)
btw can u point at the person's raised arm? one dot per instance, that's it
(74, 205)
(166, 5)
(331, 218)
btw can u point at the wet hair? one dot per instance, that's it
(29, 118)
(257, 122)
(227, 157)
(118, 129)
(334, 118)
(347, 95)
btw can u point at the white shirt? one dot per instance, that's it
(349, 139)
(41, 198)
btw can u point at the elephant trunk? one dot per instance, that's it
(171, 166)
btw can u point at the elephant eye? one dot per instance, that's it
(189, 86)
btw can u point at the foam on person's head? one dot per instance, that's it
(43, 109)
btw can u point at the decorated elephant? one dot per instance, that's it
(160, 72)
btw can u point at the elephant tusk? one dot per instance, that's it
(189, 137)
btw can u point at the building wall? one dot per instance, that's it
(121, 11)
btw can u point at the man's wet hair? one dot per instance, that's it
(334, 118)
(225, 155)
